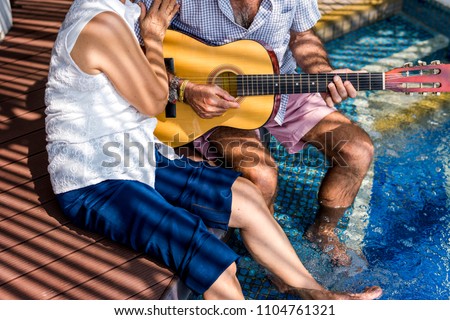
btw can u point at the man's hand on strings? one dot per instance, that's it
(339, 90)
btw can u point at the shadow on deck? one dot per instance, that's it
(43, 256)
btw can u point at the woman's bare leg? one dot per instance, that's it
(269, 246)
(226, 287)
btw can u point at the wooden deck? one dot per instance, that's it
(43, 256)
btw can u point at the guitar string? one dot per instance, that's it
(284, 78)
(256, 81)
(303, 76)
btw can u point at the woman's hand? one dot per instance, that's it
(156, 20)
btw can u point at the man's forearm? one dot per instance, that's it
(309, 52)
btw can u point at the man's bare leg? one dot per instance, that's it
(350, 151)
(243, 151)
(190, 152)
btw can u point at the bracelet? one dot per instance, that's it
(182, 89)
(173, 89)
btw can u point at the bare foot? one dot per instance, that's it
(329, 243)
(369, 293)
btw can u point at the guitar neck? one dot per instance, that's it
(254, 85)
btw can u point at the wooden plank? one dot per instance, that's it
(19, 173)
(26, 19)
(39, 40)
(20, 74)
(67, 273)
(154, 292)
(22, 127)
(40, 251)
(138, 277)
(11, 89)
(25, 197)
(34, 62)
(24, 31)
(31, 98)
(11, 54)
(30, 224)
(42, 13)
(22, 147)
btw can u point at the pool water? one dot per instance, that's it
(407, 241)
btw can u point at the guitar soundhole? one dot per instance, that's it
(227, 80)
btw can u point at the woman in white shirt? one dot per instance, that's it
(112, 176)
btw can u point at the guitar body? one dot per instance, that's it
(200, 63)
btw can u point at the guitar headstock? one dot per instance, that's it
(423, 78)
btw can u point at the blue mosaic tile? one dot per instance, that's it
(377, 41)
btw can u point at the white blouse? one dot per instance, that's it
(93, 134)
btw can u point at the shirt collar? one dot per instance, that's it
(264, 11)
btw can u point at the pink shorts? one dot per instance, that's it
(303, 112)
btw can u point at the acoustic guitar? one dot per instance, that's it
(250, 72)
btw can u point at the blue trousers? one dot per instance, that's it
(169, 222)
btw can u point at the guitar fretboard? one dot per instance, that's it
(254, 85)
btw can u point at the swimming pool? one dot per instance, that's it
(400, 221)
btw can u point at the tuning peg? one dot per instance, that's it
(434, 62)
(421, 63)
(408, 65)
(423, 93)
(436, 93)
(408, 93)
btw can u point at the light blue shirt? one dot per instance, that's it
(213, 22)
